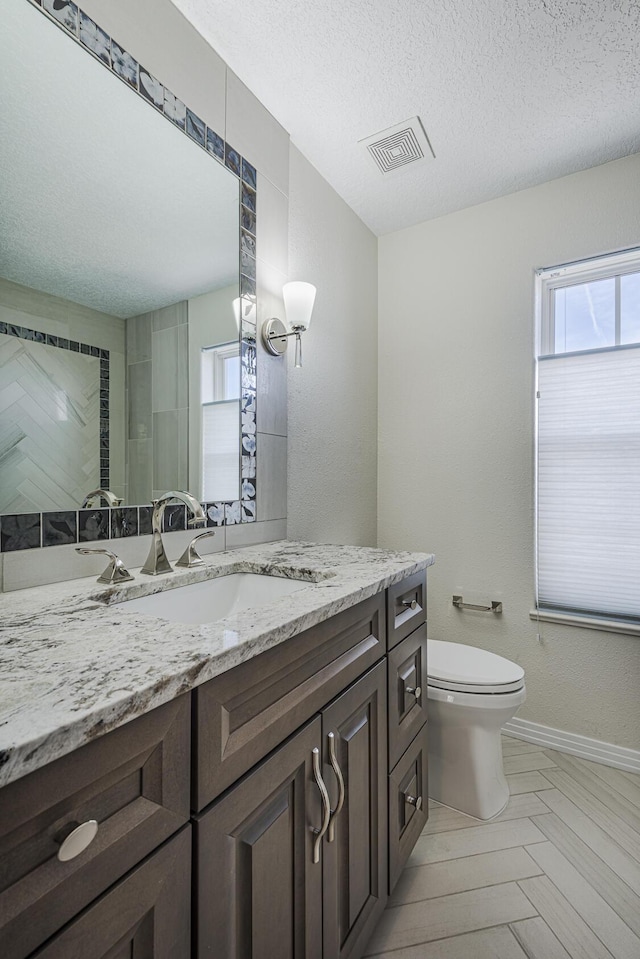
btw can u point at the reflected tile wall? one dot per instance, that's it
(158, 398)
(170, 369)
(140, 470)
(139, 392)
(170, 462)
(139, 338)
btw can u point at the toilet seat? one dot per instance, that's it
(467, 669)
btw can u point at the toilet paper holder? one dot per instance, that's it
(496, 606)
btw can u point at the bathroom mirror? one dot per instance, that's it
(121, 345)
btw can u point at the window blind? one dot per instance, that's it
(588, 490)
(221, 450)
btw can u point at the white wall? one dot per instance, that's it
(456, 430)
(333, 398)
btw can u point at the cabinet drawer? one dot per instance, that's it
(242, 715)
(407, 692)
(134, 781)
(406, 607)
(147, 914)
(406, 820)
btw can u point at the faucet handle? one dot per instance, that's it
(191, 557)
(116, 572)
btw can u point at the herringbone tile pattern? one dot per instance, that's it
(49, 426)
(556, 876)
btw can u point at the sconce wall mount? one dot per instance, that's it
(275, 336)
(298, 303)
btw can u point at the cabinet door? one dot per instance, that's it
(146, 915)
(259, 893)
(355, 846)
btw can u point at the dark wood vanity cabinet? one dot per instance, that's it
(146, 915)
(355, 846)
(280, 872)
(259, 892)
(241, 715)
(408, 728)
(407, 692)
(307, 789)
(406, 607)
(408, 812)
(134, 781)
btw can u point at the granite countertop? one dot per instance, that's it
(75, 663)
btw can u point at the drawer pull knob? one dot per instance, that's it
(415, 691)
(338, 773)
(80, 837)
(414, 801)
(326, 805)
(410, 605)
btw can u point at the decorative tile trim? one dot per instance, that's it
(62, 343)
(26, 530)
(63, 527)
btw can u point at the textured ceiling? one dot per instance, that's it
(511, 92)
(102, 201)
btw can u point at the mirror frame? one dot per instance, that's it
(32, 530)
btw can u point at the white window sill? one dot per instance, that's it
(586, 622)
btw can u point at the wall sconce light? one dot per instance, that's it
(298, 304)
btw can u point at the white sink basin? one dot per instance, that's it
(214, 598)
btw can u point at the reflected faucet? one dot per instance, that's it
(157, 561)
(111, 498)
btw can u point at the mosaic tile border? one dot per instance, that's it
(20, 531)
(30, 530)
(74, 346)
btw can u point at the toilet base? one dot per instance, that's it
(465, 751)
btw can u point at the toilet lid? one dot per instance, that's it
(454, 666)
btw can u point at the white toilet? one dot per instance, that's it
(471, 694)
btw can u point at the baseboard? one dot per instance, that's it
(582, 746)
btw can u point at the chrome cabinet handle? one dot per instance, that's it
(191, 557)
(414, 801)
(335, 765)
(410, 605)
(415, 691)
(80, 837)
(115, 571)
(326, 805)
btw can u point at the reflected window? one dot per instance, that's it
(220, 399)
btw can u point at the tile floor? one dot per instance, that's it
(556, 876)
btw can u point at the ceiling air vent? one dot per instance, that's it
(394, 148)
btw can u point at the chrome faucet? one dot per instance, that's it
(111, 498)
(157, 561)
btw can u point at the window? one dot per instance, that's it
(220, 397)
(588, 439)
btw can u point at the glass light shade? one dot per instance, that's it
(298, 303)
